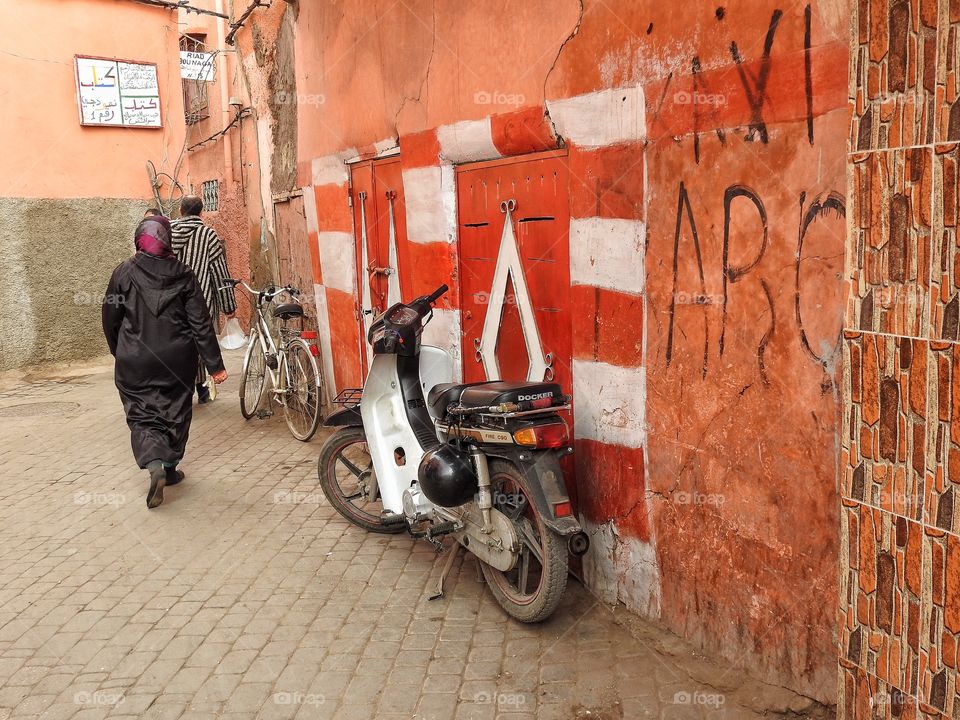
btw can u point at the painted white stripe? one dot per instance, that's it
(601, 118)
(443, 331)
(607, 253)
(336, 260)
(609, 402)
(431, 204)
(329, 170)
(622, 569)
(467, 141)
(310, 208)
(323, 338)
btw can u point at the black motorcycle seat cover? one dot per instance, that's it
(494, 392)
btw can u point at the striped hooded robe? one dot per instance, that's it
(198, 247)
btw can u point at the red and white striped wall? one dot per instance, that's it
(604, 132)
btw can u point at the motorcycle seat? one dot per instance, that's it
(484, 394)
(443, 396)
(498, 392)
(286, 311)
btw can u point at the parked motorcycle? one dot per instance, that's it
(479, 462)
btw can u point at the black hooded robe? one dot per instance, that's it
(156, 321)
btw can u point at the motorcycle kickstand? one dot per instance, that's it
(447, 565)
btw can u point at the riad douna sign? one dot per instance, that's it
(196, 65)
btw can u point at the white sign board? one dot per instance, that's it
(118, 93)
(196, 66)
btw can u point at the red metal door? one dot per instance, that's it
(381, 231)
(514, 219)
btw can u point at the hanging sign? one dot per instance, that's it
(117, 93)
(196, 66)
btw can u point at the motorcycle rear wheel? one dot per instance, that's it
(344, 460)
(512, 589)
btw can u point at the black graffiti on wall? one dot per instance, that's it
(820, 207)
(755, 86)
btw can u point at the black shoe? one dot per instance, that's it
(174, 476)
(158, 478)
(203, 396)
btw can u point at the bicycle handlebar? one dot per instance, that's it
(268, 293)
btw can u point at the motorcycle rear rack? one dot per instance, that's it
(492, 412)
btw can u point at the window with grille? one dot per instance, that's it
(211, 195)
(195, 104)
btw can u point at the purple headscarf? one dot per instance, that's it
(152, 236)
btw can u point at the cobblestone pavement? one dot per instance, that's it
(245, 596)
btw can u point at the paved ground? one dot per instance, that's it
(245, 596)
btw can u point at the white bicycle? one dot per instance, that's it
(293, 371)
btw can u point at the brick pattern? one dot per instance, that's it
(880, 594)
(948, 67)
(945, 258)
(901, 430)
(888, 249)
(884, 428)
(892, 73)
(941, 623)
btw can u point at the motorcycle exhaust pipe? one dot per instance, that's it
(578, 543)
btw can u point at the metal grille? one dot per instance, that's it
(211, 195)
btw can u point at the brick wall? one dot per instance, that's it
(900, 455)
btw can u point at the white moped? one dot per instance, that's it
(479, 462)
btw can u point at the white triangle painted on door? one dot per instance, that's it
(510, 267)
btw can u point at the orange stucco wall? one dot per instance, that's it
(709, 480)
(47, 153)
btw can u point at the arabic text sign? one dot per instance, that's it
(113, 92)
(196, 66)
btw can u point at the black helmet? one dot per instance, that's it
(447, 477)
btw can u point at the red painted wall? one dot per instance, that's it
(704, 363)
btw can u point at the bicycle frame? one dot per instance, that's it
(268, 345)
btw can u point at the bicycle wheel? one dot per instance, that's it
(253, 377)
(300, 380)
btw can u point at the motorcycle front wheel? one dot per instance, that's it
(344, 467)
(531, 591)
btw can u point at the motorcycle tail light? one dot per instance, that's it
(563, 509)
(553, 435)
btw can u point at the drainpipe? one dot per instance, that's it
(224, 99)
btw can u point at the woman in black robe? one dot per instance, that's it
(157, 324)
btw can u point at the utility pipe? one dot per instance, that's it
(224, 100)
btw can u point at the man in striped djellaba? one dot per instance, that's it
(198, 247)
